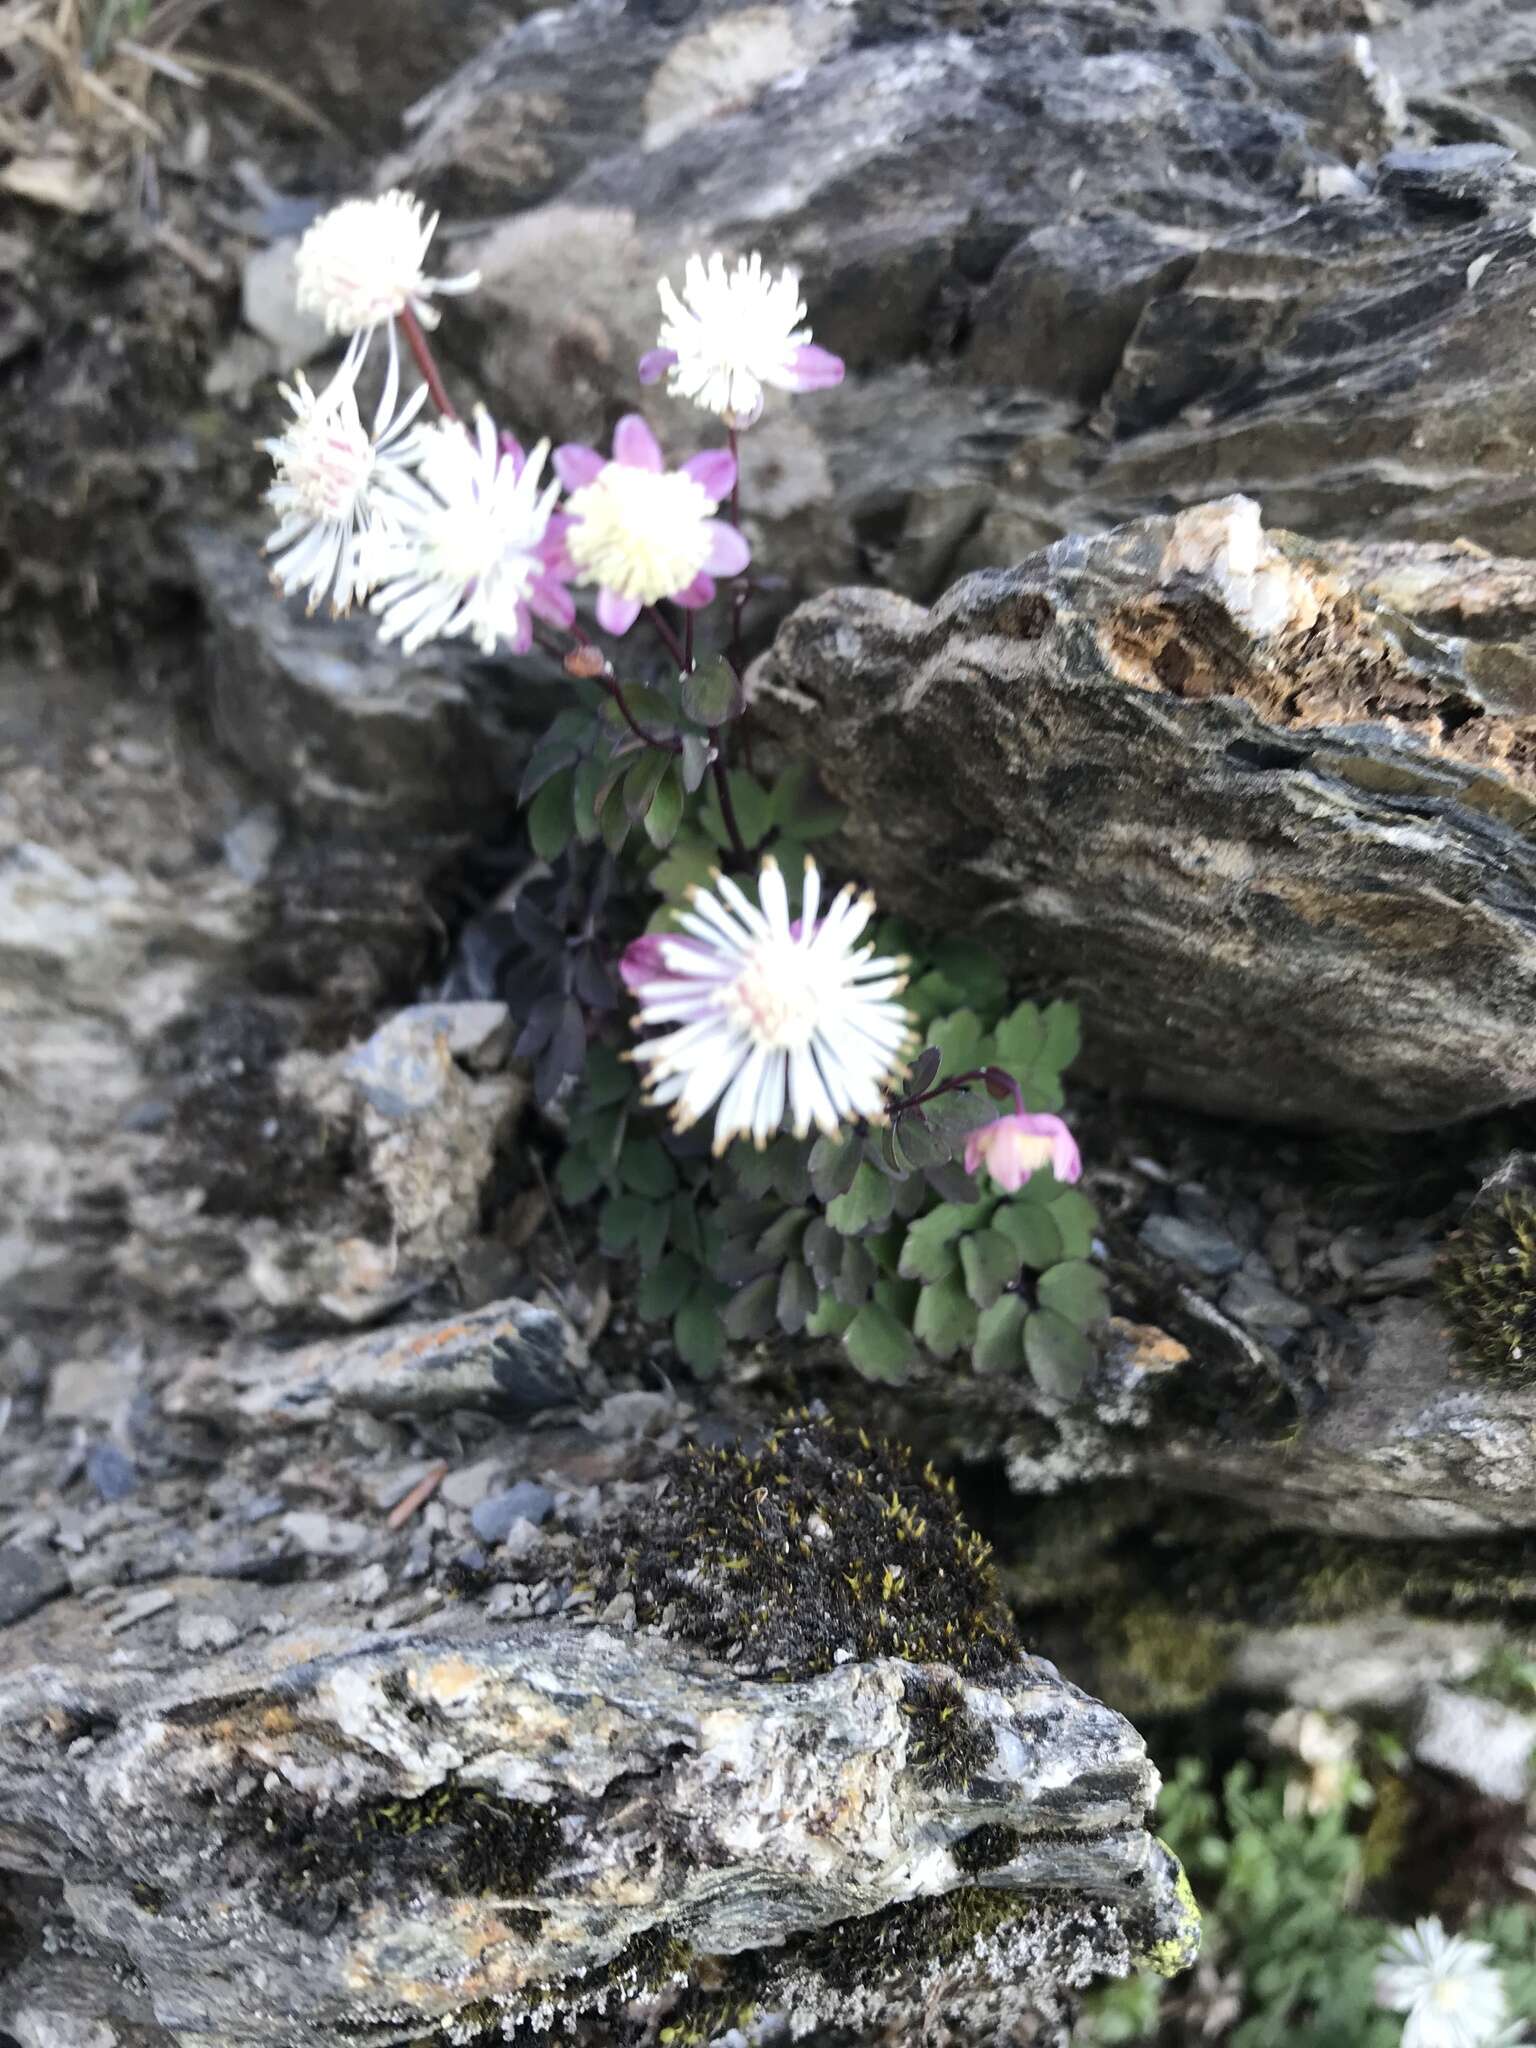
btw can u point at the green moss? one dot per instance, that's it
(462, 1841)
(1174, 1953)
(1486, 1280)
(914, 1934)
(986, 1848)
(1169, 1660)
(945, 1746)
(823, 1541)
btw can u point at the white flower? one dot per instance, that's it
(732, 332)
(769, 1017)
(1445, 1984)
(338, 486)
(472, 550)
(361, 264)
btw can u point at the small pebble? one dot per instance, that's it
(1204, 1246)
(195, 1632)
(1256, 1304)
(526, 1502)
(140, 1607)
(111, 1471)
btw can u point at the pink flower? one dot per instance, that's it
(654, 957)
(1016, 1146)
(642, 532)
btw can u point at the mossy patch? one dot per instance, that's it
(461, 1841)
(986, 1848)
(945, 1744)
(1486, 1280)
(824, 1542)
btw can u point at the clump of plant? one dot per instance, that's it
(1486, 1280)
(886, 1166)
(822, 1543)
(1281, 1881)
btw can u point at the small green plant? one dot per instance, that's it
(878, 1237)
(1486, 1280)
(1281, 1889)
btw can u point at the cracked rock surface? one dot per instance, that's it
(1267, 810)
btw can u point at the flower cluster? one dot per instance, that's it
(1448, 1988)
(450, 529)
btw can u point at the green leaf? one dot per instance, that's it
(917, 1143)
(1020, 1038)
(1058, 1354)
(646, 1167)
(974, 971)
(613, 819)
(699, 1334)
(990, 1262)
(609, 1079)
(822, 1248)
(711, 692)
(928, 1250)
(796, 1297)
(550, 823)
(684, 1227)
(619, 1224)
(955, 1116)
(750, 1310)
(666, 811)
(666, 1287)
(800, 808)
(1031, 1229)
(855, 1273)
(694, 761)
(1076, 1290)
(579, 1175)
(1063, 1036)
(829, 1318)
(878, 1345)
(961, 1041)
(999, 1345)
(899, 1296)
(547, 759)
(1076, 1222)
(641, 782)
(782, 1237)
(753, 812)
(591, 774)
(652, 1234)
(866, 1205)
(1042, 1089)
(927, 1253)
(686, 866)
(834, 1162)
(945, 1320)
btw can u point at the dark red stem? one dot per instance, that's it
(651, 739)
(426, 362)
(668, 638)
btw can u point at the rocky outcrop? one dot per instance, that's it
(1273, 831)
(271, 1773)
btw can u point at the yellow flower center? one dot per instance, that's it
(330, 466)
(776, 998)
(640, 534)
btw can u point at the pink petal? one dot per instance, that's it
(616, 614)
(728, 553)
(655, 363)
(576, 465)
(713, 471)
(813, 369)
(551, 601)
(522, 638)
(636, 446)
(693, 597)
(973, 1151)
(642, 961)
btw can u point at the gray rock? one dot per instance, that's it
(407, 1063)
(325, 1535)
(1212, 781)
(111, 1471)
(28, 1580)
(269, 306)
(196, 1633)
(1482, 1742)
(734, 1780)
(506, 1356)
(527, 1501)
(1205, 1246)
(1262, 1306)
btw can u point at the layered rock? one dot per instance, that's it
(1273, 834)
